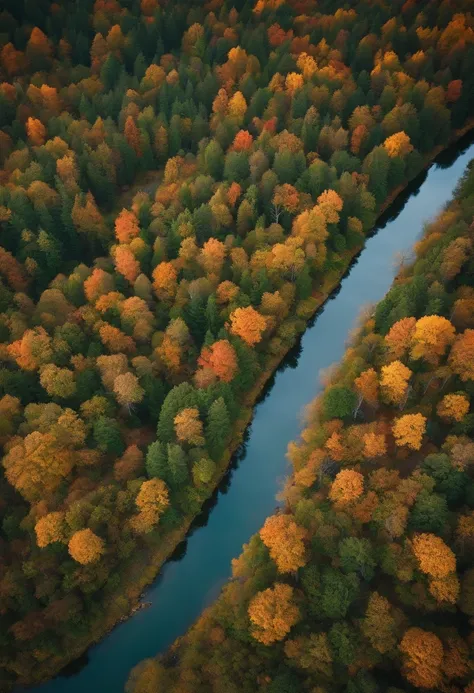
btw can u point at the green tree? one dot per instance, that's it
(357, 556)
(107, 436)
(339, 402)
(180, 397)
(217, 429)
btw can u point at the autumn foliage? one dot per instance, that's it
(86, 547)
(179, 186)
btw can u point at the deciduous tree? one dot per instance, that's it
(86, 547)
(409, 430)
(423, 658)
(273, 613)
(248, 324)
(188, 426)
(285, 540)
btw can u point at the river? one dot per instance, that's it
(201, 564)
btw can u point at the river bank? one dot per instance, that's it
(145, 570)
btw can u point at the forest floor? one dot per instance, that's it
(144, 569)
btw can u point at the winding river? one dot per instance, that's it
(192, 578)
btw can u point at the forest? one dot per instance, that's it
(180, 185)
(363, 581)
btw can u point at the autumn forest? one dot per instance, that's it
(182, 186)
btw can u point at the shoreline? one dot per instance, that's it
(148, 567)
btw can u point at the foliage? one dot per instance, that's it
(364, 578)
(177, 184)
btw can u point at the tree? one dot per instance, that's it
(248, 324)
(374, 445)
(218, 428)
(379, 626)
(32, 350)
(164, 281)
(58, 382)
(126, 226)
(394, 381)
(156, 459)
(86, 547)
(338, 591)
(127, 389)
(149, 675)
(36, 131)
(108, 436)
(115, 340)
(429, 513)
(36, 466)
(203, 471)
(312, 653)
(357, 556)
(221, 359)
(432, 335)
(461, 358)
(237, 106)
(398, 145)
(180, 397)
(409, 430)
(285, 540)
(212, 256)
(188, 426)
(273, 613)
(285, 197)
(339, 402)
(346, 487)
(132, 135)
(39, 49)
(453, 407)
(399, 337)
(152, 499)
(242, 141)
(434, 557)
(50, 528)
(367, 387)
(423, 658)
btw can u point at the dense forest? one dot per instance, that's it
(363, 581)
(179, 184)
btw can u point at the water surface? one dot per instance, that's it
(201, 564)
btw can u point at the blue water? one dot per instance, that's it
(202, 564)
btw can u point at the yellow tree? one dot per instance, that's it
(285, 540)
(347, 486)
(374, 445)
(453, 407)
(152, 500)
(273, 613)
(50, 528)
(188, 426)
(248, 324)
(86, 547)
(409, 430)
(423, 658)
(432, 335)
(435, 558)
(398, 144)
(461, 358)
(164, 281)
(394, 381)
